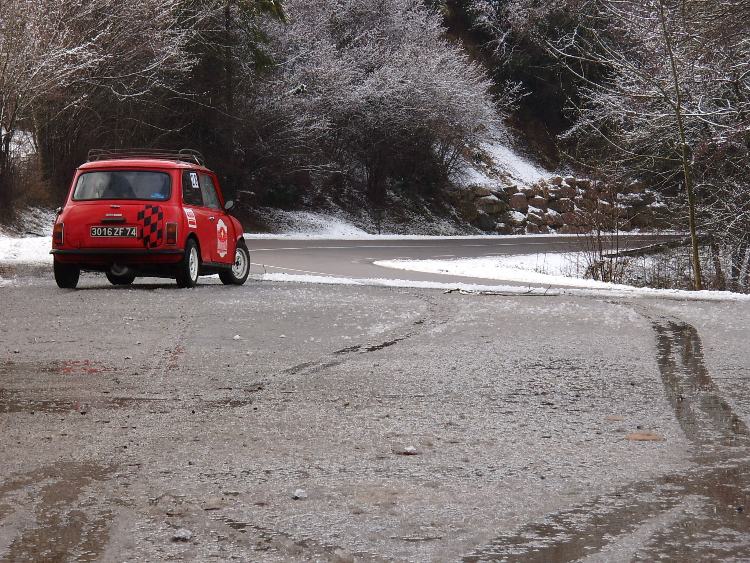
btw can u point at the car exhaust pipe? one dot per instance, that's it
(119, 270)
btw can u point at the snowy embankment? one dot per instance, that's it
(30, 239)
(611, 291)
(499, 163)
(552, 270)
(556, 269)
(310, 225)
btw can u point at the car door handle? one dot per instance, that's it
(212, 218)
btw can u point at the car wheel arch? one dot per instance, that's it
(195, 238)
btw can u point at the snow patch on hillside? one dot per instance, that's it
(338, 223)
(497, 161)
(309, 224)
(516, 166)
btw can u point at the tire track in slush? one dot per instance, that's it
(428, 320)
(716, 526)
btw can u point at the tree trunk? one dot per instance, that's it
(684, 154)
(5, 180)
(739, 268)
(375, 185)
(721, 282)
(228, 62)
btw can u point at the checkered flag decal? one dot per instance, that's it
(152, 221)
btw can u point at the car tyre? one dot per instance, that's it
(66, 275)
(189, 268)
(237, 275)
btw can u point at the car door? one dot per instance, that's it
(203, 217)
(223, 250)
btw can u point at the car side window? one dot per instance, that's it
(210, 198)
(191, 189)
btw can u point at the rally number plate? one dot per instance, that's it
(129, 232)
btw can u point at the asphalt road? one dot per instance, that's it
(552, 428)
(354, 259)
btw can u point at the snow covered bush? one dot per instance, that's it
(372, 92)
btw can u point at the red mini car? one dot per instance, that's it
(137, 213)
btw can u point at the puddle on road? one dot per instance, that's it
(11, 402)
(585, 530)
(56, 367)
(27, 400)
(721, 485)
(705, 418)
(66, 527)
(294, 549)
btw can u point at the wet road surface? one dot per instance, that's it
(548, 429)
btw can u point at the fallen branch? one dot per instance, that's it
(653, 248)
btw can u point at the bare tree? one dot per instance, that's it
(662, 94)
(62, 57)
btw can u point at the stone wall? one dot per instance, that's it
(562, 205)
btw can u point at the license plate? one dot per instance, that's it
(131, 232)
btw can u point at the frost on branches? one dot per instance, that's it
(57, 57)
(371, 91)
(662, 97)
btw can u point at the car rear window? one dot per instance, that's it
(123, 184)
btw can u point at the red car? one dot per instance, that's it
(158, 214)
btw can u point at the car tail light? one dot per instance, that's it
(171, 233)
(57, 233)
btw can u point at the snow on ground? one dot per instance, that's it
(36, 221)
(29, 250)
(29, 239)
(557, 269)
(470, 175)
(503, 161)
(612, 290)
(304, 225)
(352, 225)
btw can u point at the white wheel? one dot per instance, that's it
(189, 268)
(193, 264)
(240, 268)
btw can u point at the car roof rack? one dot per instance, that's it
(183, 155)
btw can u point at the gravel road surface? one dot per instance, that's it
(150, 423)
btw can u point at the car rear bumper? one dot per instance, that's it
(101, 259)
(117, 252)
